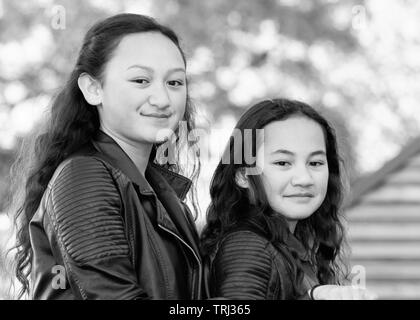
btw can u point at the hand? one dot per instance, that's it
(334, 292)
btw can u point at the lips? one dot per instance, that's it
(156, 115)
(300, 195)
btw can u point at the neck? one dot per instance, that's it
(138, 152)
(292, 225)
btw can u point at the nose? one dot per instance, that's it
(302, 176)
(159, 97)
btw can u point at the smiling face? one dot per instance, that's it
(295, 167)
(144, 88)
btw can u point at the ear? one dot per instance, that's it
(91, 89)
(241, 179)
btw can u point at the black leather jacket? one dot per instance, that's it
(92, 237)
(247, 266)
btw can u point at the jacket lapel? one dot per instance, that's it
(296, 246)
(110, 151)
(171, 201)
(169, 187)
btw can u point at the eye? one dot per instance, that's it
(282, 163)
(141, 81)
(176, 83)
(316, 163)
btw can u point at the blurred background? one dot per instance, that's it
(358, 62)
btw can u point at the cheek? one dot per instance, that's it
(180, 101)
(322, 182)
(274, 183)
(120, 97)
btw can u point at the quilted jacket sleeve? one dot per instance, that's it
(84, 219)
(242, 267)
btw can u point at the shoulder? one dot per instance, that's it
(244, 244)
(81, 164)
(80, 169)
(82, 179)
(245, 237)
(242, 267)
(84, 207)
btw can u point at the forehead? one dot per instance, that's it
(296, 134)
(151, 49)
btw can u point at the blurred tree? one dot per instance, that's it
(351, 59)
(357, 61)
(355, 58)
(235, 47)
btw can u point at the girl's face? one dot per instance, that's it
(144, 89)
(294, 167)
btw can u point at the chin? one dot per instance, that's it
(159, 133)
(297, 214)
(149, 135)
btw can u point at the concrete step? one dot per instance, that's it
(414, 161)
(383, 231)
(390, 279)
(410, 175)
(363, 260)
(388, 213)
(378, 250)
(394, 193)
(392, 271)
(389, 290)
(383, 241)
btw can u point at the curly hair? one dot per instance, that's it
(71, 125)
(322, 234)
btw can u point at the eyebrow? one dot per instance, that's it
(151, 70)
(314, 153)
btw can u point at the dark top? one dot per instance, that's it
(104, 231)
(173, 248)
(246, 265)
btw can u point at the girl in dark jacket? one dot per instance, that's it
(273, 226)
(102, 213)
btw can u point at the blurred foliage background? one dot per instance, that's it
(356, 61)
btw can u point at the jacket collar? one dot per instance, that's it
(179, 221)
(166, 185)
(297, 247)
(116, 156)
(294, 245)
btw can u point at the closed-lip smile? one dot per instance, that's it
(157, 115)
(300, 195)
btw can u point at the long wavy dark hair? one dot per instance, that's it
(322, 234)
(72, 124)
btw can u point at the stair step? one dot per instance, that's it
(383, 231)
(390, 193)
(365, 259)
(379, 250)
(391, 271)
(409, 213)
(360, 241)
(395, 290)
(410, 175)
(414, 161)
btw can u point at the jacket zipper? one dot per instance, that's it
(191, 249)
